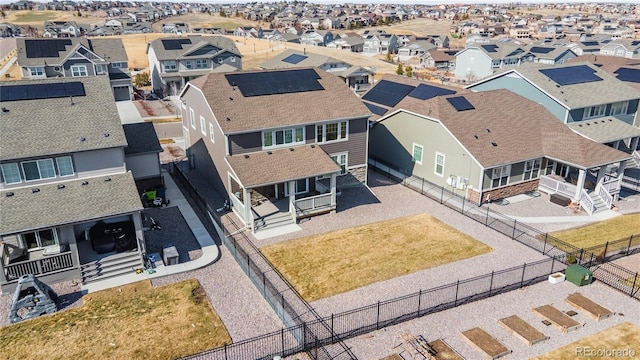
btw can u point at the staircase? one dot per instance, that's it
(598, 204)
(110, 266)
(273, 220)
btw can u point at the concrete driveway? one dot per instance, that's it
(128, 112)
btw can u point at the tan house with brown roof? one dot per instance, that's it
(278, 143)
(466, 141)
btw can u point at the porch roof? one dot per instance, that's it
(54, 205)
(605, 130)
(279, 165)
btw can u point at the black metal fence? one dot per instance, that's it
(319, 336)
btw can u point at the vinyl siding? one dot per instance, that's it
(99, 162)
(356, 146)
(244, 143)
(143, 166)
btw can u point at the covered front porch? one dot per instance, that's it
(264, 194)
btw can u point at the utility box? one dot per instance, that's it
(579, 275)
(169, 255)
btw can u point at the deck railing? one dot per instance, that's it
(42, 266)
(636, 156)
(314, 204)
(567, 189)
(586, 202)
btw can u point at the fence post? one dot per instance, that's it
(441, 194)
(378, 317)
(332, 328)
(282, 304)
(513, 234)
(462, 211)
(491, 283)
(225, 351)
(553, 260)
(635, 279)
(455, 302)
(282, 340)
(629, 246)
(544, 247)
(304, 335)
(486, 221)
(422, 187)
(264, 284)
(523, 269)
(581, 253)
(606, 247)
(419, 299)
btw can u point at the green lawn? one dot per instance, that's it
(134, 321)
(335, 262)
(605, 231)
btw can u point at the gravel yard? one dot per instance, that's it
(174, 231)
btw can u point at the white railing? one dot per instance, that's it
(314, 204)
(586, 202)
(605, 195)
(238, 205)
(42, 266)
(636, 156)
(556, 186)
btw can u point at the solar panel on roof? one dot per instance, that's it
(294, 58)
(424, 92)
(49, 48)
(175, 44)
(387, 93)
(375, 109)
(276, 82)
(541, 50)
(41, 91)
(571, 75)
(629, 75)
(460, 103)
(490, 48)
(590, 43)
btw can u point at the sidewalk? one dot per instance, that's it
(210, 251)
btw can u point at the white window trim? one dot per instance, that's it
(4, 178)
(166, 66)
(533, 169)
(192, 118)
(101, 69)
(508, 175)
(435, 165)
(117, 65)
(293, 137)
(23, 242)
(203, 126)
(202, 64)
(34, 72)
(37, 161)
(79, 69)
(346, 162)
(324, 132)
(413, 152)
(286, 187)
(623, 109)
(211, 137)
(587, 111)
(58, 165)
(188, 65)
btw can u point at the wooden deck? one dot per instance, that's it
(587, 306)
(557, 318)
(485, 343)
(522, 329)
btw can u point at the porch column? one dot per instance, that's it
(332, 185)
(621, 168)
(616, 145)
(634, 143)
(601, 172)
(246, 196)
(137, 223)
(292, 198)
(581, 177)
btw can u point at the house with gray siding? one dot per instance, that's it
(465, 141)
(142, 155)
(580, 95)
(62, 171)
(77, 58)
(478, 61)
(281, 140)
(175, 61)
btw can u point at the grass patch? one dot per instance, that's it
(324, 265)
(599, 233)
(622, 336)
(35, 16)
(138, 322)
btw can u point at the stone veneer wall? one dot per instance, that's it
(354, 177)
(512, 190)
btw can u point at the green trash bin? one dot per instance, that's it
(578, 275)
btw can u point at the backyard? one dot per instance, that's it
(129, 322)
(331, 263)
(620, 227)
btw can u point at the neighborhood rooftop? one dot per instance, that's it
(32, 52)
(141, 138)
(60, 124)
(279, 98)
(176, 48)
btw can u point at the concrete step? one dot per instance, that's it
(273, 221)
(111, 266)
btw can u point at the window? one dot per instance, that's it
(439, 165)
(332, 132)
(531, 169)
(302, 186)
(37, 71)
(201, 63)
(500, 176)
(283, 137)
(341, 159)
(594, 111)
(118, 65)
(170, 65)
(417, 154)
(187, 64)
(192, 118)
(38, 169)
(203, 126)
(211, 132)
(65, 166)
(39, 239)
(10, 173)
(619, 108)
(101, 69)
(78, 71)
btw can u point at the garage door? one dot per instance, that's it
(121, 93)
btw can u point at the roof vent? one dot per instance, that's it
(228, 119)
(106, 135)
(291, 149)
(475, 136)
(61, 186)
(313, 146)
(269, 153)
(82, 139)
(107, 179)
(85, 182)
(9, 194)
(5, 110)
(230, 98)
(35, 190)
(488, 130)
(494, 144)
(246, 156)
